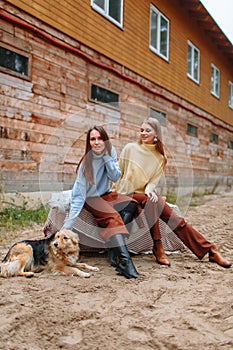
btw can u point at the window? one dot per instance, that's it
(159, 33)
(230, 144)
(191, 130)
(14, 61)
(215, 80)
(160, 116)
(214, 138)
(111, 9)
(99, 94)
(193, 62)
(230, 94)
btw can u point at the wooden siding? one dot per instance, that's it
(43, 120)
(130, 47)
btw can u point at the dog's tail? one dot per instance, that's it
(9, 268)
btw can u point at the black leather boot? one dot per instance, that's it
(125, 265)
(112, 257)
(127, 216)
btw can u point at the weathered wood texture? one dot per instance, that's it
(130, 46)
(43, 121)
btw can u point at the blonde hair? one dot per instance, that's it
(154, 123)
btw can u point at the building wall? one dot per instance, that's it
(130, 46)
(43, 120)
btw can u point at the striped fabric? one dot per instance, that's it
(139, 240)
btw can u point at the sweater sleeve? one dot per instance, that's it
(112, 167)
(78, 198)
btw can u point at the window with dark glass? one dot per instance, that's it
(213, 138)
(99, 94)
(14, 61)
(192, 130)
(230, 144)
(160, 116)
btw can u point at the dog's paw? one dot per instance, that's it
(85, 275)
(94, 268)
(29, 274)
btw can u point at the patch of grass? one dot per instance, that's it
(16, 217)
(171, 197)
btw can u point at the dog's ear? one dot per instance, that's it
(75, 241)
(72, 235)
(75, 238)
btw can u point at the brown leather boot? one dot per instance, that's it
(216, 257)
(159, 254)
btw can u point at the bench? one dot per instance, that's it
(138, 241)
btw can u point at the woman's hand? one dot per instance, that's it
(152, 196)
(107, 148)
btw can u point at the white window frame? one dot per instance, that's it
(230, 94)
(215, 81)
(191, 74)
(157, 49)
(105, 11)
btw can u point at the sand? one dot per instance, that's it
(186, 306)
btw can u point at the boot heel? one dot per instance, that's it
(159, 254)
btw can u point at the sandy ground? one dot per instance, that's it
(186, 306)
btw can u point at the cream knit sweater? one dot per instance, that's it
(141, 167)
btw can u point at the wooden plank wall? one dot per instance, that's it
(43, 121)
(130, 46)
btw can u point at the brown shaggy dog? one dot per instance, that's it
(58, 254)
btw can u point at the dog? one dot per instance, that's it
(57, 254)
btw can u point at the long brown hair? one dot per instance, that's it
(154, 123)
(86, 159)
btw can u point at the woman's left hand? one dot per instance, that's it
(152, 196)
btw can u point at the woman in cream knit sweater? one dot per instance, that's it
(142, 164)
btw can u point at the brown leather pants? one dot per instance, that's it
(105, 211)
(186, 233)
